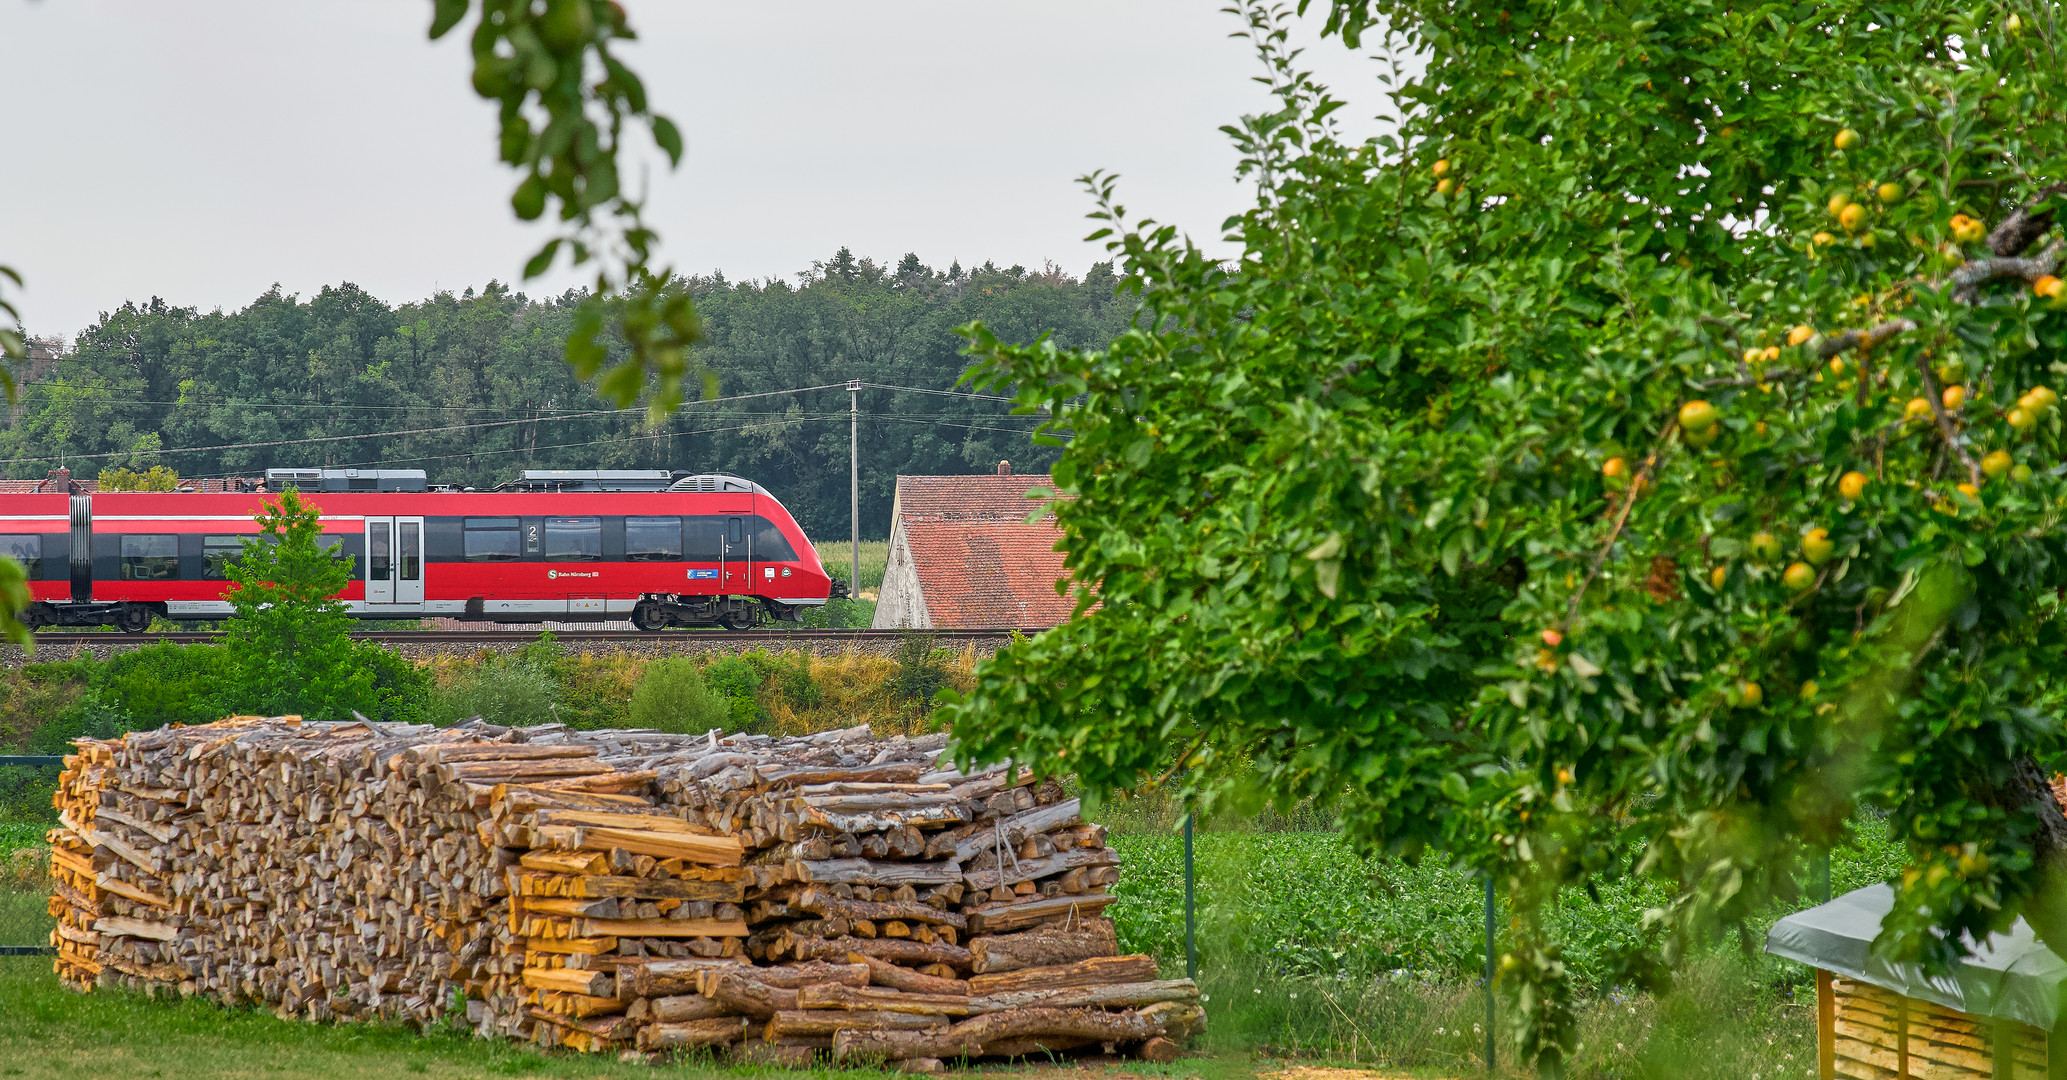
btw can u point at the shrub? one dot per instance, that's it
(402, 686)
(671, 696)
(163, 684)
(798, 687)
(511, 692)
(921, 670)
(838, 615)
(736, 680)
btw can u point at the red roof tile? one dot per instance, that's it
(989, 574)
(965, 498)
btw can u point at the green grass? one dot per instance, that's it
(21, 834)
(875, 555)
(1307, 950)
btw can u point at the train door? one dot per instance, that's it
(394, 560)
(738, 566)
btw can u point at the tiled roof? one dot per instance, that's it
(980, 562)
(964, 498)
(989, 574)
(31, 487)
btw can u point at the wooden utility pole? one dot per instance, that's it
(854, 484)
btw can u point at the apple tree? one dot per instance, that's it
(1636, 462)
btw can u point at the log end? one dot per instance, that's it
(1159, 1050)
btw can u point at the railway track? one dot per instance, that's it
(487, 637)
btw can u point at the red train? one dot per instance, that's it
(661, 549)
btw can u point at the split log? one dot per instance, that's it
(881, 999)
(967, 1038)
(1019, 870)
(970, 840)
(662, 978)
(712, 1032)
(896, 950)
(792, 976)
(115, 926)
(1093, 972)
(1115, 996)
(685, 1007)
(661, 927)
(866, 872)
(832, 1021)
(884, 973)
(730, 892)
(738, 992)
(1181, 1020)
(819, 903)
(1000, 918)
(1042, 948)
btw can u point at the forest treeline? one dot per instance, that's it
(473, 387)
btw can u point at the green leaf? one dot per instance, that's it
(669, 138)
(446, 14)
(539, 263)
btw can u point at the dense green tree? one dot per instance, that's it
(288, 647)
(1636, 462)
(301, 376)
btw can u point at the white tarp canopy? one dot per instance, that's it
(2010, 976)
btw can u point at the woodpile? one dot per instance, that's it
(627, 891)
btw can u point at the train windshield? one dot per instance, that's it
(574, 539)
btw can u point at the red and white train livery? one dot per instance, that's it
(660, 549)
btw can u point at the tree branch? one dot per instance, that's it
(1863, 339)
(1636, 485)
(1967, 279)
(1945, 428)
(2019, 230)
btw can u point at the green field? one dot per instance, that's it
(875, 555)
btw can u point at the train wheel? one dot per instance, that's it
(737, 620)
(135, 619)
(649, 616)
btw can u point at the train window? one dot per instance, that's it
(574, 539)
(652, 539)
(735, 533)
(409, 549)
(150, 558)
(703, 538)
(217, 552)
(769, 543)
(380, 552)
(26, 549)
(491, 540)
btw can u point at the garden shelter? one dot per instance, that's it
(1990, 1018)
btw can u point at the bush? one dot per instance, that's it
(163, 684)
(921, 670)
(838, 615)
(512, 692)
(738, 682)
(798, 687)
(671, 696)
(403, 686)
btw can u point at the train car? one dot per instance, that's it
(660, 549)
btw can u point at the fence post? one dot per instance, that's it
(1191, 954)
(1489, 972)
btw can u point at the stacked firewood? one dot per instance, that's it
(621, 891)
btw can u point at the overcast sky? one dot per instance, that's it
(203, 150)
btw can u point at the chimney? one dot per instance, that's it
(1004, 468)
(60, 480)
